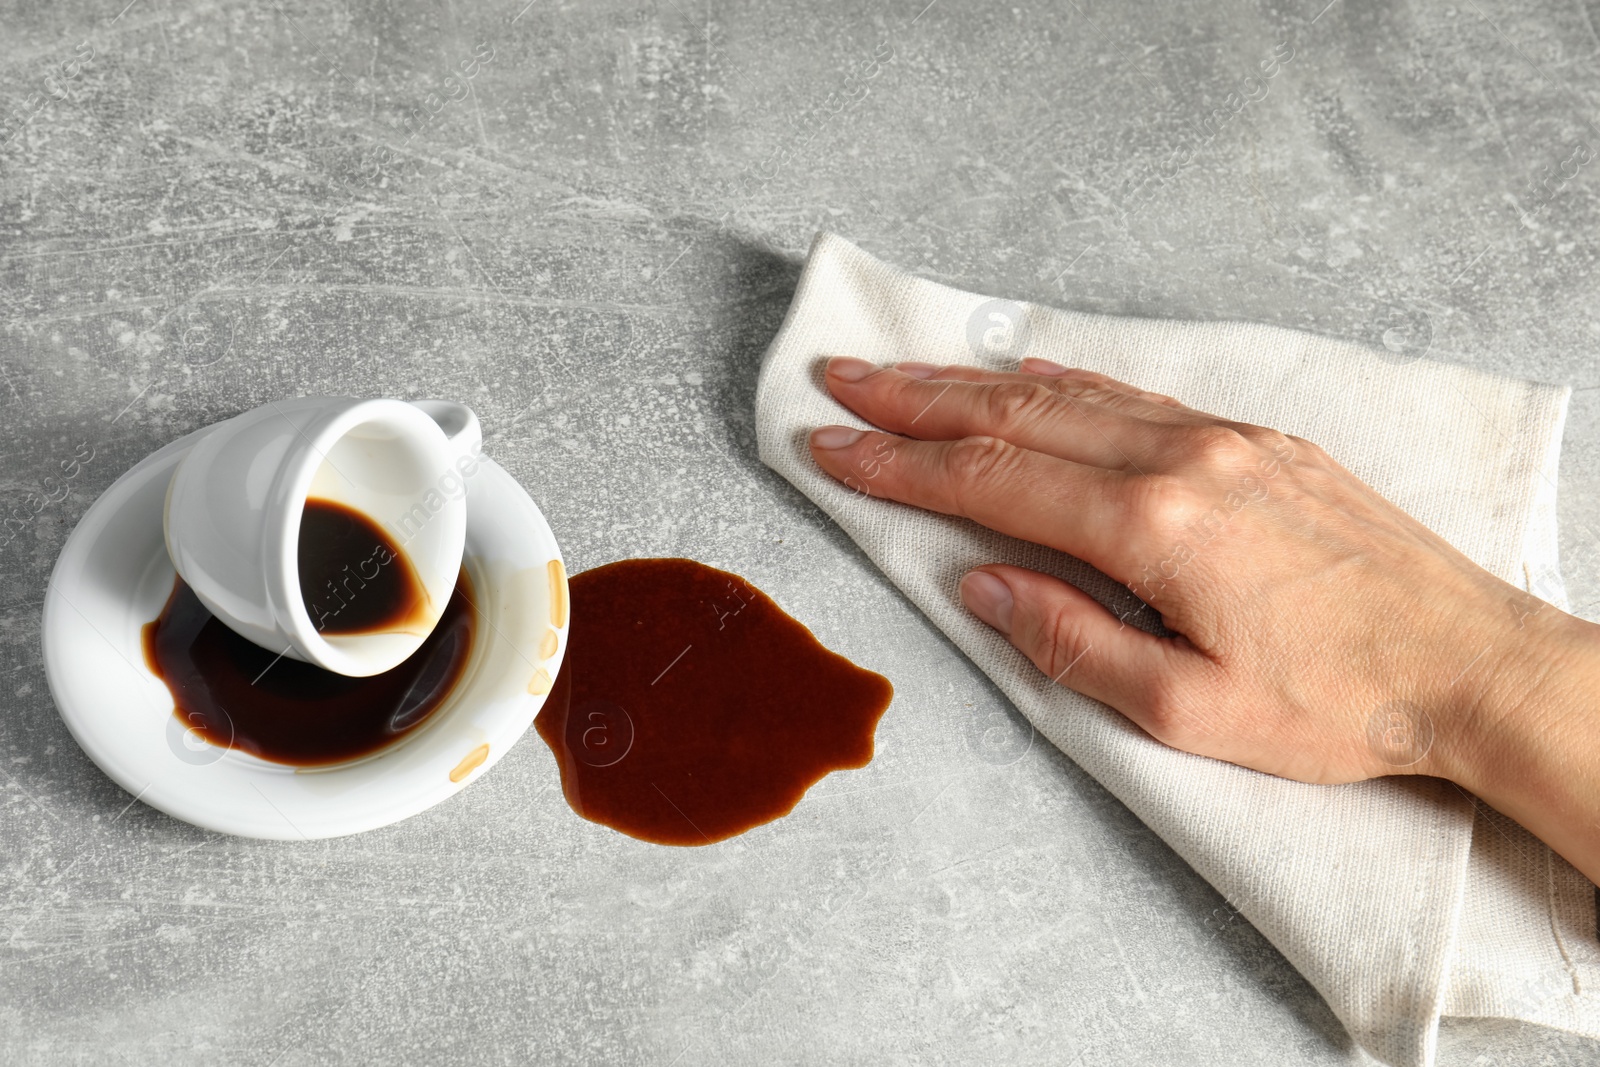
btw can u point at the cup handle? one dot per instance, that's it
(459, 423)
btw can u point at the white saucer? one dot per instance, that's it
(114, 576)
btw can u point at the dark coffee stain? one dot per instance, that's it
(353, 578)
(691, 708)
(236, 694)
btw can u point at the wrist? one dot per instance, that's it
(1513, 710)
(1526, 736)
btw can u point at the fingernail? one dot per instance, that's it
(1034, 365)
(917, 369)
(988, 598)
(849, 369)
(835, 436)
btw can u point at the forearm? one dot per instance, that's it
(1530, 736)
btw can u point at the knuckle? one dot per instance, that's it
(1087, 389)
(1160, 502)
(1166, 716)
(1078, 387)
(898, 390)
(1296, 447)
(976, 460)
(1160, 398)
(1077, 376)
(1214, 443)
(1256, 435)
(1015, 406)
(1062, 643)
(1265, 440)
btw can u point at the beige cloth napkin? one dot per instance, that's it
(1398, 899)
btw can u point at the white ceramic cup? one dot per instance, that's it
(234, 505)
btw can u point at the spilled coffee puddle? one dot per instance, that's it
(691, 708)
(236, 694)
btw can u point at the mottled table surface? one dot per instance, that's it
(209, 205)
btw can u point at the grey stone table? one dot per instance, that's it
(586, 221)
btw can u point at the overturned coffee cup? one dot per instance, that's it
(327, 529)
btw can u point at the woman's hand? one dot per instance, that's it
(1321, 633)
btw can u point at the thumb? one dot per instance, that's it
(1074, 640)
